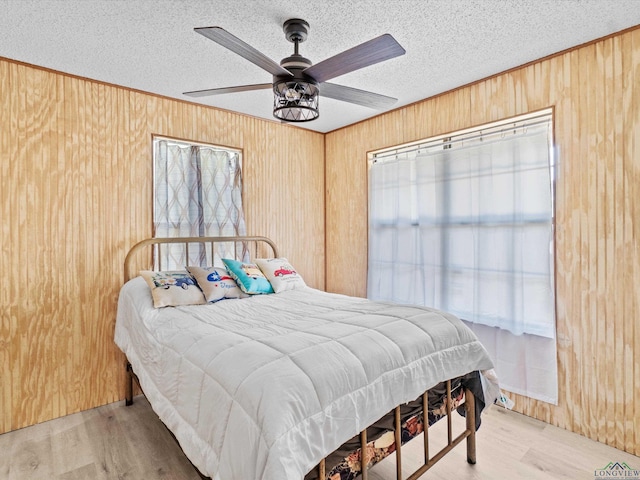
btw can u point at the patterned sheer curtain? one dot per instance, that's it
(465, 224)
(197, 192)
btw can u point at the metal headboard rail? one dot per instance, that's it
(186, 241)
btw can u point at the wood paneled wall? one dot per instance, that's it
(75, 194)
(595, 92)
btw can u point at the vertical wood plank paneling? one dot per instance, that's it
(615, 336)
(57, 223)
(574, 244)
(7, 328)
(22, 383)
(588, 239)
(49, 115)
(15, 212)
(75, 193)
(71, 240)
(595, 92)
(632, 231)
(599, 237)
(606, 272)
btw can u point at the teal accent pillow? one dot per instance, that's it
(248, 277)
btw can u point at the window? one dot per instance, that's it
(464, 223)
(197, 192)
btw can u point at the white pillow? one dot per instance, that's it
(280, 274)
(172, 289)
(216, 284)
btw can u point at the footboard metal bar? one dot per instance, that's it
(398, 439)
(364, 457)
(322, 469)
(425, 425)
(469, 434)
(449, 426)
(470, 412)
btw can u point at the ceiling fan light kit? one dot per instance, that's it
(295, 96)
(295, 101)
(297, 83)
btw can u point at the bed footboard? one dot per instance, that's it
(366, 450)
(469, 433)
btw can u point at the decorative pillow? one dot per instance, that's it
(280, 274)
(248, 277)
(215, 283)
(170, 289)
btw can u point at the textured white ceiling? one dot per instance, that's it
(150, 45)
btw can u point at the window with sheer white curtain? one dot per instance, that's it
(197, 192)
(464, 223)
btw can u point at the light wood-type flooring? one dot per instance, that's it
(118, 442)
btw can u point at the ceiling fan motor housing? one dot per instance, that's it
(295, 30)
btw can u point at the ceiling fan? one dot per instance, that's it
(297, 83)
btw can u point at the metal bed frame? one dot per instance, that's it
(469, 433)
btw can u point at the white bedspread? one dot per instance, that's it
(264, 387)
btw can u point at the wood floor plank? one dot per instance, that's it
(71, 448)
(85, 472)
(31, 460)
(110, 446)
(115, 442)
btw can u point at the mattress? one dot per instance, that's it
(244, 384)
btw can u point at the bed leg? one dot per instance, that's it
(364, 457)
(322, 470)
(470, 407)
(398, 440)
(128, 398)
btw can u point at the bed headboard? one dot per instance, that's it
(145, 255)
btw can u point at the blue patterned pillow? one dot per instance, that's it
(248, 277)
(172, 289)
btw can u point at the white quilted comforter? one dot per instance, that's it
(262, 388)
